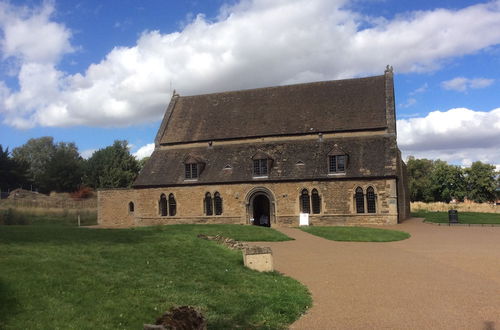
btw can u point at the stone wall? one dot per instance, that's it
(337, 203)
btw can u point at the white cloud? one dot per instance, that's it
(462, 84)
(86, 154)
(253, 43)
(144, 151)
(458, 135)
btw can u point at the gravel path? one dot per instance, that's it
(441, 278)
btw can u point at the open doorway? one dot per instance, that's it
(261, 211)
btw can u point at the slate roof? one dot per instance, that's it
(372, 156)
(328, 106)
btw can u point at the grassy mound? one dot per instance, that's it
(357, 234)
(76, 278)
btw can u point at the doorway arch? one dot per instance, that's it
(261, 207)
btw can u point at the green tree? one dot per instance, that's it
(36, 153)
(419, 180)
(13, 174)
(111, 167)
(64, 170)
(481, 182)
(448, 182)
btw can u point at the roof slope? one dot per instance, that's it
(340, 105)
(373, 156)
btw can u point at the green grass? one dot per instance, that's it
(463, 217)
(62, 277)
(37, 217)
(356, 234)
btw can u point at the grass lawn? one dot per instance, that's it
(62, 277)
(357, 234)
(463, 217)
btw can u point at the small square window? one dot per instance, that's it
(260, 167)
(191, 171)
(336, 164)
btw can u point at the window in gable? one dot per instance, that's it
(305, 204)
(315, 201)
(336, 163)
(172, 205)
(360, 200)
(370, 200)
(260, 167)
(191, 171)
(208, 204)
(217, 203)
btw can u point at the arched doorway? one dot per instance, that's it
(260, 207)
(261, 211)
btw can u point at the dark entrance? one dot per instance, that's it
(261, 211)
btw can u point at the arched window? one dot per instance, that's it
(217, 203)
(163, 205)
(315, 201)
(360, 200)
(208, 204)
(370, 200)
(305, 204)
(131, 207)
(172, 207)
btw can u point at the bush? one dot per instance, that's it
(82, 193)
(10, 217)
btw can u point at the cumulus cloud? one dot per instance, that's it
(144, 151)
(458, 135)
(253, 43)
(462, 84)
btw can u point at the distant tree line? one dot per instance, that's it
(438, 181)
(45, 166)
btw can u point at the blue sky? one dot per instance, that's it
(91, 72)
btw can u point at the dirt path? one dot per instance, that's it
(440, 278)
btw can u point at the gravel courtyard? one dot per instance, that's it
(440, 278)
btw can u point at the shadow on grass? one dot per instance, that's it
(9, 305)
(69, 235)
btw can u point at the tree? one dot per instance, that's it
(448, 182)
(419, 179)
(111, 167)
(12, 174)
(36, 153)
(64, 170)
(481, 183)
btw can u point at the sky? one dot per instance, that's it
(92, 72)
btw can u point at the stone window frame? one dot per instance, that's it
(208, 204)
(312, 203)
(163, 205)
(365, 200)
(261, 165)
(305, 201)
(335, 157)
(213, 206)
(315, 201)
(131, 207)
(172, 205)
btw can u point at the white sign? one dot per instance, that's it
(304, 219)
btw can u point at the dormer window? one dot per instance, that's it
(261, 164)
(193, 166)
(191, 171)
(337, 161)
(260, 167)
(336, 164)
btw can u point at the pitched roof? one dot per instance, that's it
(328, 106)
(372, 156)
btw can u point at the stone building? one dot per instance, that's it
(263, 156)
